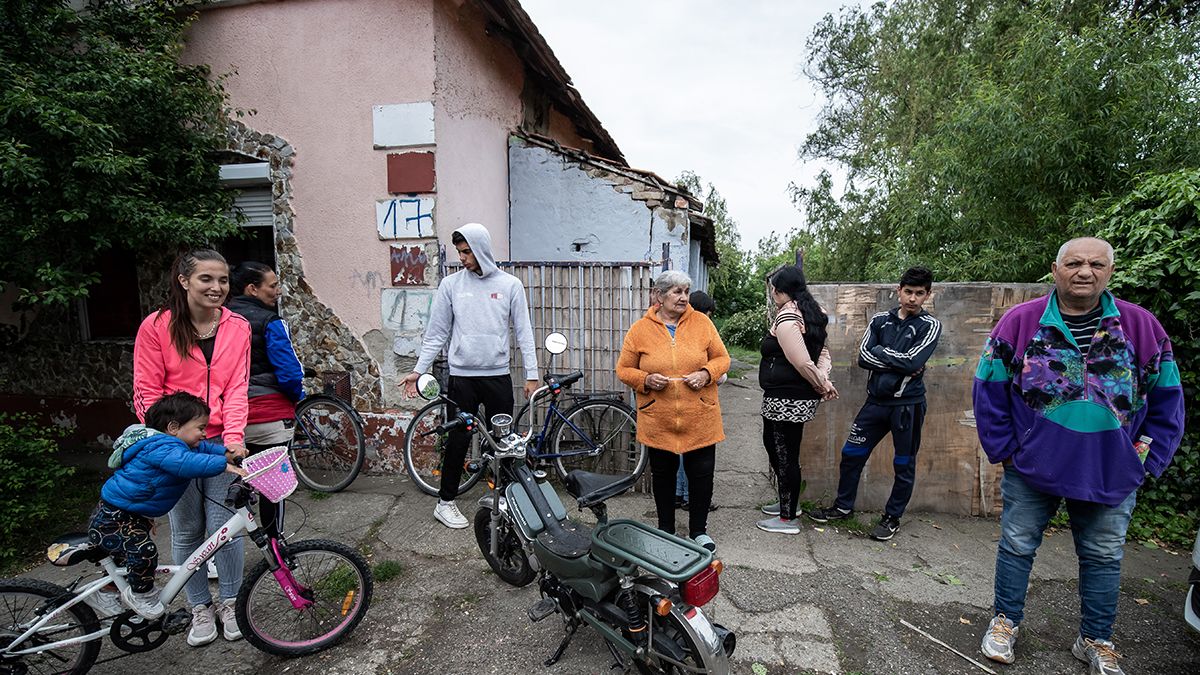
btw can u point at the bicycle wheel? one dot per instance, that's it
(332, 575)
(598, 435)
(328, 448)
(22, 603)
(423, 454)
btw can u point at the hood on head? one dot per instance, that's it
(480, 242)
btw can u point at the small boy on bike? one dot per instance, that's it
(154, 463)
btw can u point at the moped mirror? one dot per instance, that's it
(428, 387)
(556, 343)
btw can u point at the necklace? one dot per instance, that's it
(212, 329)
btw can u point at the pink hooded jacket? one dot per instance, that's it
(158, 371)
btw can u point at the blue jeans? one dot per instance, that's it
(681, 487)
(1099, 533)
(195, 517)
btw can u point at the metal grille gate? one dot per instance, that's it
(593, 304)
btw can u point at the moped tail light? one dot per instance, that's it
(703, 587)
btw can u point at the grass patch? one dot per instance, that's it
(751, 356)
(387, 570)
(317, 496)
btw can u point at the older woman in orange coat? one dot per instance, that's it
(672, 358)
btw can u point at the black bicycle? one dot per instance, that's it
(329, 446)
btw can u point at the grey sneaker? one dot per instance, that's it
(829, 513)
(147, 604)
(706, 541)
(779, 525)
(106, 603)
(771, 509)
(1100, 655)
(204, 626)
(886, 529)
(1000, 639)
(228, 618)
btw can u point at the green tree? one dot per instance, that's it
(1155, 229)
(973, 132)
(730, 285)
(106, 141)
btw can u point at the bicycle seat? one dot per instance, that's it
(592, 488)
(74, 548)
(563, 379)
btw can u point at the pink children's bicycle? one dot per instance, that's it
(302, 598)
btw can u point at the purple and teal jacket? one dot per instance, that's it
(1069, 423)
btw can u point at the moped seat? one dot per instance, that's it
(592, 488)
(567, 539)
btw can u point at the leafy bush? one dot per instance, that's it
(746, 328)
(31, 481)
(1155, 230)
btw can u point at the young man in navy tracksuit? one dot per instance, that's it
(894, 350)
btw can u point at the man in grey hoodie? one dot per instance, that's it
(473, 309)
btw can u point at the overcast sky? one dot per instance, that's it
(708, 85)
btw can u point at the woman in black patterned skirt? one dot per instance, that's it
(794, 376)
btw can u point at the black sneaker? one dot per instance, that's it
(886, 529)
(829, 513)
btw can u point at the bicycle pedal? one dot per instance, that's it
(541, 609)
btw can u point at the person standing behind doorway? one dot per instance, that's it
(894, 350)
(474, 310)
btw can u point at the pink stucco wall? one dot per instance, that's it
(477, 104)
(312, 69)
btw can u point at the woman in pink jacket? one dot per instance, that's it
(197, 346)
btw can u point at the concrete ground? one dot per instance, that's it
(827, 601)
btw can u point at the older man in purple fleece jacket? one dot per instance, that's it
(1067, 385)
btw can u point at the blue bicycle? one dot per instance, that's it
(596, 433)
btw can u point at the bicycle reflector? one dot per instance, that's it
(703, 587)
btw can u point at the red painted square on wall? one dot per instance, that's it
(408, 265)
(410, 172)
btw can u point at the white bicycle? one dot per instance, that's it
(302, 598)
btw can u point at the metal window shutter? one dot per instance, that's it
(255, 204)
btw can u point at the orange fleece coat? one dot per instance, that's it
(678, 418)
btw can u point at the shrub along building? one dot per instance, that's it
(378, 127)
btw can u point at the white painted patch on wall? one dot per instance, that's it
(405, 218)
(405, 312)
(401, 125)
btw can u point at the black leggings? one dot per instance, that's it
(698, 465)
(782, 441)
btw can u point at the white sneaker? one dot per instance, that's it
(228, 618)
(212, 569)
(447, 513)
(106, 603)
(204, 626)
(147, 604)
(1100, 655)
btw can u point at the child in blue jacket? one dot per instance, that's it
(155, 462)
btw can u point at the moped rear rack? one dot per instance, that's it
(666, 555)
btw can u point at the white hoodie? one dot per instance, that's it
(475, 311)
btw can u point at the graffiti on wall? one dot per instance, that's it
(404, 218)
(406, 313)
(408, 265)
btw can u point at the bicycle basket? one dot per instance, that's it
(337, 385)
(271, 473)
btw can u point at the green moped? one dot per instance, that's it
(640, 588)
